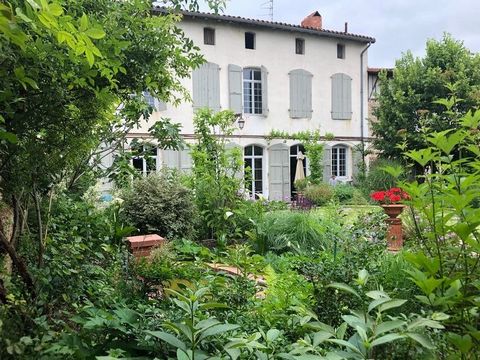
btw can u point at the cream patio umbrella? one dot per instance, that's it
(299, 173)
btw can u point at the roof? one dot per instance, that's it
(373, 70)
(271, 25)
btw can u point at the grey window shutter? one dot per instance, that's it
(230, 147)
(327, 163)
(199, 90)
(160, 105)
(185, 161)
(235, 88)
(214, 87)
(264, 91)
(206, 87)
(279, 172)
(341, 97)
(171, 159)
(300, 94)
(357, 163)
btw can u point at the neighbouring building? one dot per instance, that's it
(278, 77)
(374, 91)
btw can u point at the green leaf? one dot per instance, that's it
(386, 339)
(55, 9)
(389, 326)
(182, 355)
(422, 340)
(169, 339)
(346, 344)
(8, 136)
(320, 337)
(83, 22)
(391, 304)
(217, 329)
(95, 33)
(345, 288)
(272, 335)
(90, 57)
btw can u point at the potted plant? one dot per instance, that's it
(391, 202)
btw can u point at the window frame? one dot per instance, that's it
(302, 42)
(141, 156)
(254, 40)
(341, 50)
(336, 161)
(256, 106)
(253, 190)
(207, 29)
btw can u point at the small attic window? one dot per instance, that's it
(340, 51)
(208, 36)
(299, 46)
(250, 40)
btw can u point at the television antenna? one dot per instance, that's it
(268, 5)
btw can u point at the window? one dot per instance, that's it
(249, 40)
(253, 160)
(208, 36)
(339, 161)
(144, 158)
(340, 51)
(300, 94)
(299, 46)
(252, 91)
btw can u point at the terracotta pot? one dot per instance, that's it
(395, 231)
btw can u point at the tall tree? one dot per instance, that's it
(408, 103)
(66, 66)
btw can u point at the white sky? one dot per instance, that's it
(397, 25)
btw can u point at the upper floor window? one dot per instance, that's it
(341, 97)
(208, 36)
(340, 51)
(299, 46)
(339, 161)
(249, 40)
(252, 91)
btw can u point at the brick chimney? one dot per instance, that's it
(314, 21)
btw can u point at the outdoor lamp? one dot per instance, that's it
(240, 120)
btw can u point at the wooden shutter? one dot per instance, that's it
(264, 91)
(235, 88)
(171, 159)
(206, 87)
(356, 163)
(279, 172)
(341, 97)
(327, 163)
(160, 105)
(185, 161)
(230, 147)
(300, 94)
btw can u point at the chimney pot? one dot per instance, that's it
(346, 27)
(314, 21)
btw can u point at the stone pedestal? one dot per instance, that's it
(142, 245)
(395, 231)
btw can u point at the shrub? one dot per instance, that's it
(159, 204)
(379, 179)
(319, 194)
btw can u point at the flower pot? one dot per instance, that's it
(395, 231)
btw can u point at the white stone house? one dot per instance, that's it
(278, 77)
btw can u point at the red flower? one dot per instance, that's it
(391, 196)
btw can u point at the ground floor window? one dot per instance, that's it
(144, 158)
(253, 159)
(339, 161)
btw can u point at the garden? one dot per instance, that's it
(236, 277)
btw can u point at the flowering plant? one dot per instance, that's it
(392, 196)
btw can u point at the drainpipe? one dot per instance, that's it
(362, 86)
